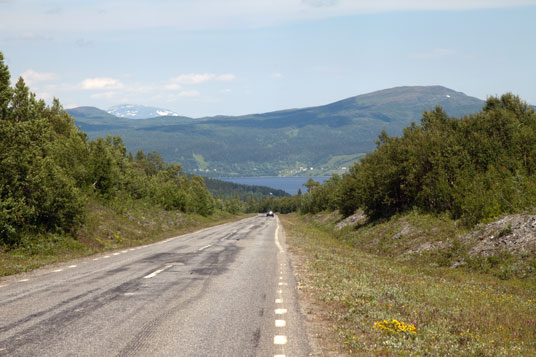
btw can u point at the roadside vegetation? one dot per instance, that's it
(428, 244)
(62, 194)
(381, 304)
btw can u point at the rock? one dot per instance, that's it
(515, 234)
(357, 219)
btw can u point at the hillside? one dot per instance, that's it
(326, 138)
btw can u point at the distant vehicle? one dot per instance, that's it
(269, 214)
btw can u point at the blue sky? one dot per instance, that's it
(210, 57)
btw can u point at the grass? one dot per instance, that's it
(454, 311)
(106, 228)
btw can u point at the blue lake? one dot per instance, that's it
(287, 184)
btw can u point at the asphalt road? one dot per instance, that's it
(223, 291)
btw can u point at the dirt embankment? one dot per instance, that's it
(514, 234)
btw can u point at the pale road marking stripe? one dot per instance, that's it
(106, 257)
(72, 266)
(116, 253)
(279, 356)
(1, 286)
(282, 284)
(58, 270)
(280, 323)
(23, 280)
(276, 237)
(124, 251)
(278, 301)
(280, 340)
(280, 311)
(205, 247)
(96, 259)
(280, 291)
(155, 273)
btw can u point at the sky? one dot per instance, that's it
(231, 57)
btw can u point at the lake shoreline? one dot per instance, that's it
(289, 184)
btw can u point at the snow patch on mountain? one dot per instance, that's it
(132, 111)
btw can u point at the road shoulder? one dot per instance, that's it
(320, 333)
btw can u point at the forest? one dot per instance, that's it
(474, 168)
(50, 170)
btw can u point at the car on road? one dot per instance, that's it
(269, 214)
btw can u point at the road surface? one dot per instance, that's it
(228, 290)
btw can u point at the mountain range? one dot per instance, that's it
(306, 141)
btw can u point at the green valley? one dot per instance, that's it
(308, 141)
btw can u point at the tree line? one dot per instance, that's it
(473, 168)
(50, 170)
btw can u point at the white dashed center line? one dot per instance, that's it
(280, 323)
(280, 340)
(205, 247)
(155, 273)
(277, 239)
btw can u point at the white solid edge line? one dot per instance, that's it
(276, 237)
(205, 247)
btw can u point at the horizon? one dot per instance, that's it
(203, 59)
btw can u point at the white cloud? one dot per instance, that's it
(197, 78)
(193, 78)
(227, 77)
(100, 83)
(173, 86)
(188, 93)
(32, 77)
(203, 14)
(104, 95)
